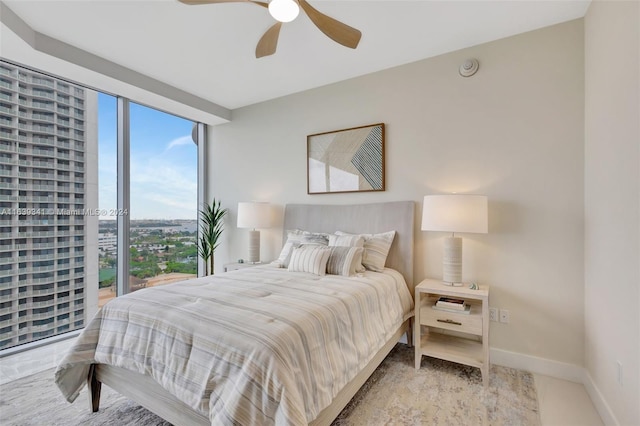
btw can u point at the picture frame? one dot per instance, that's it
(347, 160)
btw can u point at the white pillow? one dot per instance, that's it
(344, 260)
(310, 258)
(344, 240)
(348, 241)
(295, 238)
(376, 249)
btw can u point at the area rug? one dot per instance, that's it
(440, 393)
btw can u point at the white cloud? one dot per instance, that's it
(162, 189)
(163, 184)
(182, 140)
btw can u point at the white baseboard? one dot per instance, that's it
(598, 401)
(559, 370)
(534, 364)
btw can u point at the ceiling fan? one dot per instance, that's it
(286, 11)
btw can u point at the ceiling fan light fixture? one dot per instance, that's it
(284, 10)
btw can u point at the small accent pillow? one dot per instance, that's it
(376, 249)
(348, 241)
(344, 260)
(295, 238)
(310, 258)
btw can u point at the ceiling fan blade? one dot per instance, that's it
(269, 41)
(199, 2)
(334, 29)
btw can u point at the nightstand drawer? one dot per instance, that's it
(466, 323)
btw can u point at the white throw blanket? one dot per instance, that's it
(256, 346)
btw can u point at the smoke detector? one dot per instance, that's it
(469, 68)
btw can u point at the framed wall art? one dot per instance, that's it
(349, 160)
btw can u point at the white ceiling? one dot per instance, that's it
(208, 50)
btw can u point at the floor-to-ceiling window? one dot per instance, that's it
(107, 197)
(60, 200)
(47, 144)
(163, 198)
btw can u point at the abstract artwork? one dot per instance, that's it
(349, 160)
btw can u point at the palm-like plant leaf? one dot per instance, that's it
(211, 227)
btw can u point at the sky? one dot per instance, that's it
(164, 168)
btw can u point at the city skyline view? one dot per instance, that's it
(163, 163)
(58, 177)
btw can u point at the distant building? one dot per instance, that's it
(107, 242)
(48, 129)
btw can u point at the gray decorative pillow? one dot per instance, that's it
(376, 249)
(315, 239)
(344, 260)
(310, 258)
(348, 241)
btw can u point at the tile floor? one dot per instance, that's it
(562, 403)
(31, 361)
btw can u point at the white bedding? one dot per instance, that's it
(256, 346)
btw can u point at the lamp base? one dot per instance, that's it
(254, 247)
(452, 261)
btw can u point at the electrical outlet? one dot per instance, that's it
(619, 372)
(504, 316)
(493, 314)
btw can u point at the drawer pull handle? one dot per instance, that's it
(448, 321)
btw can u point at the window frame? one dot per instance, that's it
(123, 195)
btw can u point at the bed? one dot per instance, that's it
(299, 388)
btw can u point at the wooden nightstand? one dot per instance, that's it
(457, 337)
(234, 266)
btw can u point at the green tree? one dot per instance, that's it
(107, 283)
(184, 268)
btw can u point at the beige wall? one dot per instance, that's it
(612, 204)
(513, 132)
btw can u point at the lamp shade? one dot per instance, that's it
(455, 213)
(254, 215)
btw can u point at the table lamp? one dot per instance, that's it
(254, 215)
(454, 213)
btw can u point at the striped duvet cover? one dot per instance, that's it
(256, 346)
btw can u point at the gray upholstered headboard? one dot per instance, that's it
(360, 219)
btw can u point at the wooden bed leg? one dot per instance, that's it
(409, 333)
(94, 387)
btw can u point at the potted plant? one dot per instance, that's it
(211, 227)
